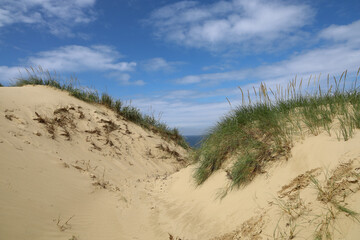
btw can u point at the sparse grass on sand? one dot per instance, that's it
(298, 215)
(263, 129)
(39, 76)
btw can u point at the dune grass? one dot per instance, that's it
(39, 76)
(263, 128)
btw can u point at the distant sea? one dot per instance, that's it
(194, 141)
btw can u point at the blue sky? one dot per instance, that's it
(179, 60)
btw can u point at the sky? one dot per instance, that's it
(180, 61)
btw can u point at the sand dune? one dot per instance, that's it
(72, 170)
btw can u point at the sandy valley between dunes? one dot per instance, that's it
(73, 170)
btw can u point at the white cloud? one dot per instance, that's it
(333, 59)
(77, 59)
(57, 16)
(195, 95)
(221, 67)
(138, 83)
(180, 94)
(226, 23)
(213, 77)
(159, 64)
(187, 110)
(8, 74)
(124, 79)
(191, 118)
(343, 33)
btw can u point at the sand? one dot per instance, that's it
(73, 170)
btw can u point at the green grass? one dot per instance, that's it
(1, 85)
(263, 128)
(39, 76)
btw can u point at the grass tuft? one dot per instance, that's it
(263, 128)
(107, 101)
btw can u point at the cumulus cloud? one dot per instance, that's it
(57, 16)
(224, 24)
(75, 58)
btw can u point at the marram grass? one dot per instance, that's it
(39, 76)
(263, 128)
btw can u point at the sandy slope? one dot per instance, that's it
(114, 180)
(256, 211)
(95, 173)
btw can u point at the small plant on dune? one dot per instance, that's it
(1, 85)
(132, 113)
(117, 106)
(263, 129)
(322, 214)
(85, 95)
(64, 226)
(350, 213)
(333, 191)
(288, 224)
(326, 221)
(323, 229)
(171, 237)
(39, 76)
(107, 101)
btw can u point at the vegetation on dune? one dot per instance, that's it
(1, 85)
(262, 130)
(324, 212)
(40, 76)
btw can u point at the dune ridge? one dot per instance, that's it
(73, 170)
